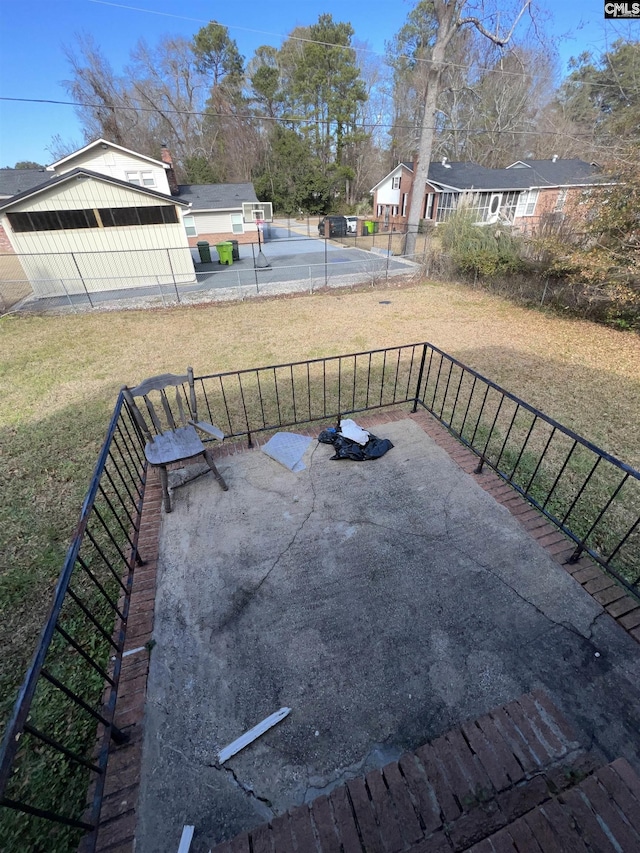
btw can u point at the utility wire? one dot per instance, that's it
(426, 61)
(277, 119)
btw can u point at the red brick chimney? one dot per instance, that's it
(171, 175)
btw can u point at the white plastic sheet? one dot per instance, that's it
(288, 448)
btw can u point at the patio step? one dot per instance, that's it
(601, 813)
(465, 787)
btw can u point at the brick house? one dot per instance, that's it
(523, 194)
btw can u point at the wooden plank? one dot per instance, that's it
(252, 734)
(185, 839)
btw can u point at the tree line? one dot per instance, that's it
(316, 122)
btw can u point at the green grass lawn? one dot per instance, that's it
(61, 374)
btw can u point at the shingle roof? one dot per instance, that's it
(216, 196)
(536, 173)
(75, 173)
(14, 181)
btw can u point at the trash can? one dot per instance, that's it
(225, 253)
(368, 224)
(235, 250)
(204, 251)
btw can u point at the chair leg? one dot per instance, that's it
(208, 456)
(164, 482)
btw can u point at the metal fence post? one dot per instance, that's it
(73, 258)
(386, 277)
(325, 259)
(419, 383)
(255, 268)
(173, 275)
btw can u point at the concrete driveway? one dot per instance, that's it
(382, 601)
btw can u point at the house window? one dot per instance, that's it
(141, 179)
(428, 206)
(560, 202)
(395, 183)
(236, 223)
(404, 203)
(447, 203)
(527, 203)
(509, 204)
(189, 223)
(68, 220)
(53, 220)
(119, 217)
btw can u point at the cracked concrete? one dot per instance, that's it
(384, 602)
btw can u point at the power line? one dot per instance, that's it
(276, 119)
(426, 61)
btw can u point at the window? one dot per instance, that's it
(119, 217)
(395, 183)
(509, 204)
(190, 226)
(447, 203)
(527, 203)
(428, 206)
(560, 202)
(53, 220)
(236, 223)
(110, 217)
(141, 179)
(404, 203)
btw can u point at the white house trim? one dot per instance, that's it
(102, 143)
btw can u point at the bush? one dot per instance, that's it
(483, 250)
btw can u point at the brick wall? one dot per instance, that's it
(5, 245)
(250, 237)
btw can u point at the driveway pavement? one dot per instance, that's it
(383, 602)
(295, 262)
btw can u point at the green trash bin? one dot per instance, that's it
(225, 253)
(236, 251)
(368, 224)
(204, 251)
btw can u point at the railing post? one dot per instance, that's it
(420, 372)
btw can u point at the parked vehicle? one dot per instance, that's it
(352, 224)
(337, 226)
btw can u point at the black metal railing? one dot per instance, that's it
(50, 756)
(590, 495)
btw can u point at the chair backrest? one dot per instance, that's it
(159, 413)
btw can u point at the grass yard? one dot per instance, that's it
(61, 374)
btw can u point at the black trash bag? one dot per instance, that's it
(346, 448)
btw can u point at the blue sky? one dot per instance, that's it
(33, 34)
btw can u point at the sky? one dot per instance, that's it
(35, 33)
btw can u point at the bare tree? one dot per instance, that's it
(450, 18)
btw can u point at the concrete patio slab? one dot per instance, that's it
(383, 602)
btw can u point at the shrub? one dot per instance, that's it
(482, 250)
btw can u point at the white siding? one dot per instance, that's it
(100, 258)
(218, 222)
(386, 195)
(116, 164)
